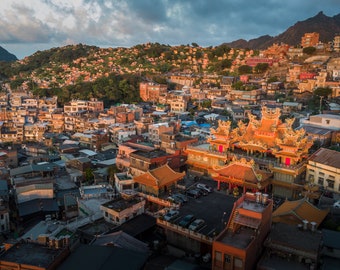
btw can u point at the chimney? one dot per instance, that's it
(313, 224)
(305, 224)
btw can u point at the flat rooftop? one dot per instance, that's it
(241, 239)
(121, 204)
(150, 154)
(31, 254)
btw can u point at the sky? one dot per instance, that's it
(31, 25)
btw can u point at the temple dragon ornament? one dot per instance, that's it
(273, 147)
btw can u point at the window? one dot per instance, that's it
(238, 262)
(218, 259)
(320, 181)
(321, 173)
(227, 258)
(330, 183)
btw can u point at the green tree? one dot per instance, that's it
(272, 79)
(89, 176)
(323, 92)
(206, 103)
(261, 67)
(309, 50)
(245, 69)
(238, 85)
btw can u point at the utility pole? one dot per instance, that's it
(321, 97)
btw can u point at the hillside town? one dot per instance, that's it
(218, 172)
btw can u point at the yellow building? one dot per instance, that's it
(323, 169)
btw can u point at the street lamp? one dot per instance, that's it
(223, 223)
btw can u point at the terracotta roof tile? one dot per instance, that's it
(293, 212)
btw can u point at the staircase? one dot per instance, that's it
(231, 224)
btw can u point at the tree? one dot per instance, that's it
(245, 69)
(261, 67)
(309, 50)
(89, 177)
(238, 85)
(323, 92)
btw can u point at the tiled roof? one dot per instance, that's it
(301, 210)
(160, 176)
(239, 171)
(326, 157)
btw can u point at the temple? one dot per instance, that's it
(264, 155)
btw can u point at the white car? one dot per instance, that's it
(171, 215)
(336, 204)
(204, 187)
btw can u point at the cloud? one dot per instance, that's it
(130, 22)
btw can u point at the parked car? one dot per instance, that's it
(174, 199)
(202, 191)
(171, 215)
(194, 193)
(204, 187)
(180, 197)
(186, 221)
(336, 204)
(196, 225)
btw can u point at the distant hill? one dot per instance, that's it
(6, 56)
(326, 26)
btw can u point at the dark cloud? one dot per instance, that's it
(130, 22)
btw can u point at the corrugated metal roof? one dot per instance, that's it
(326, 157)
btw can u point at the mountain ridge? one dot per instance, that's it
(326, 26)
(6, 55)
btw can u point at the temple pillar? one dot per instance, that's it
(218, 185)
(244, 189)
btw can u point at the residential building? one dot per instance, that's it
(284, 247)
(124, 151)
(240, 244)
(336, 43)
(323, 169)
(330, 249)
(31, 255)
(156, 130)
(329, 122)
(310, 39)
(142, 161)
(120, 210)
(4, 217)
(151, 91)
(75, 106)
(251, 97)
